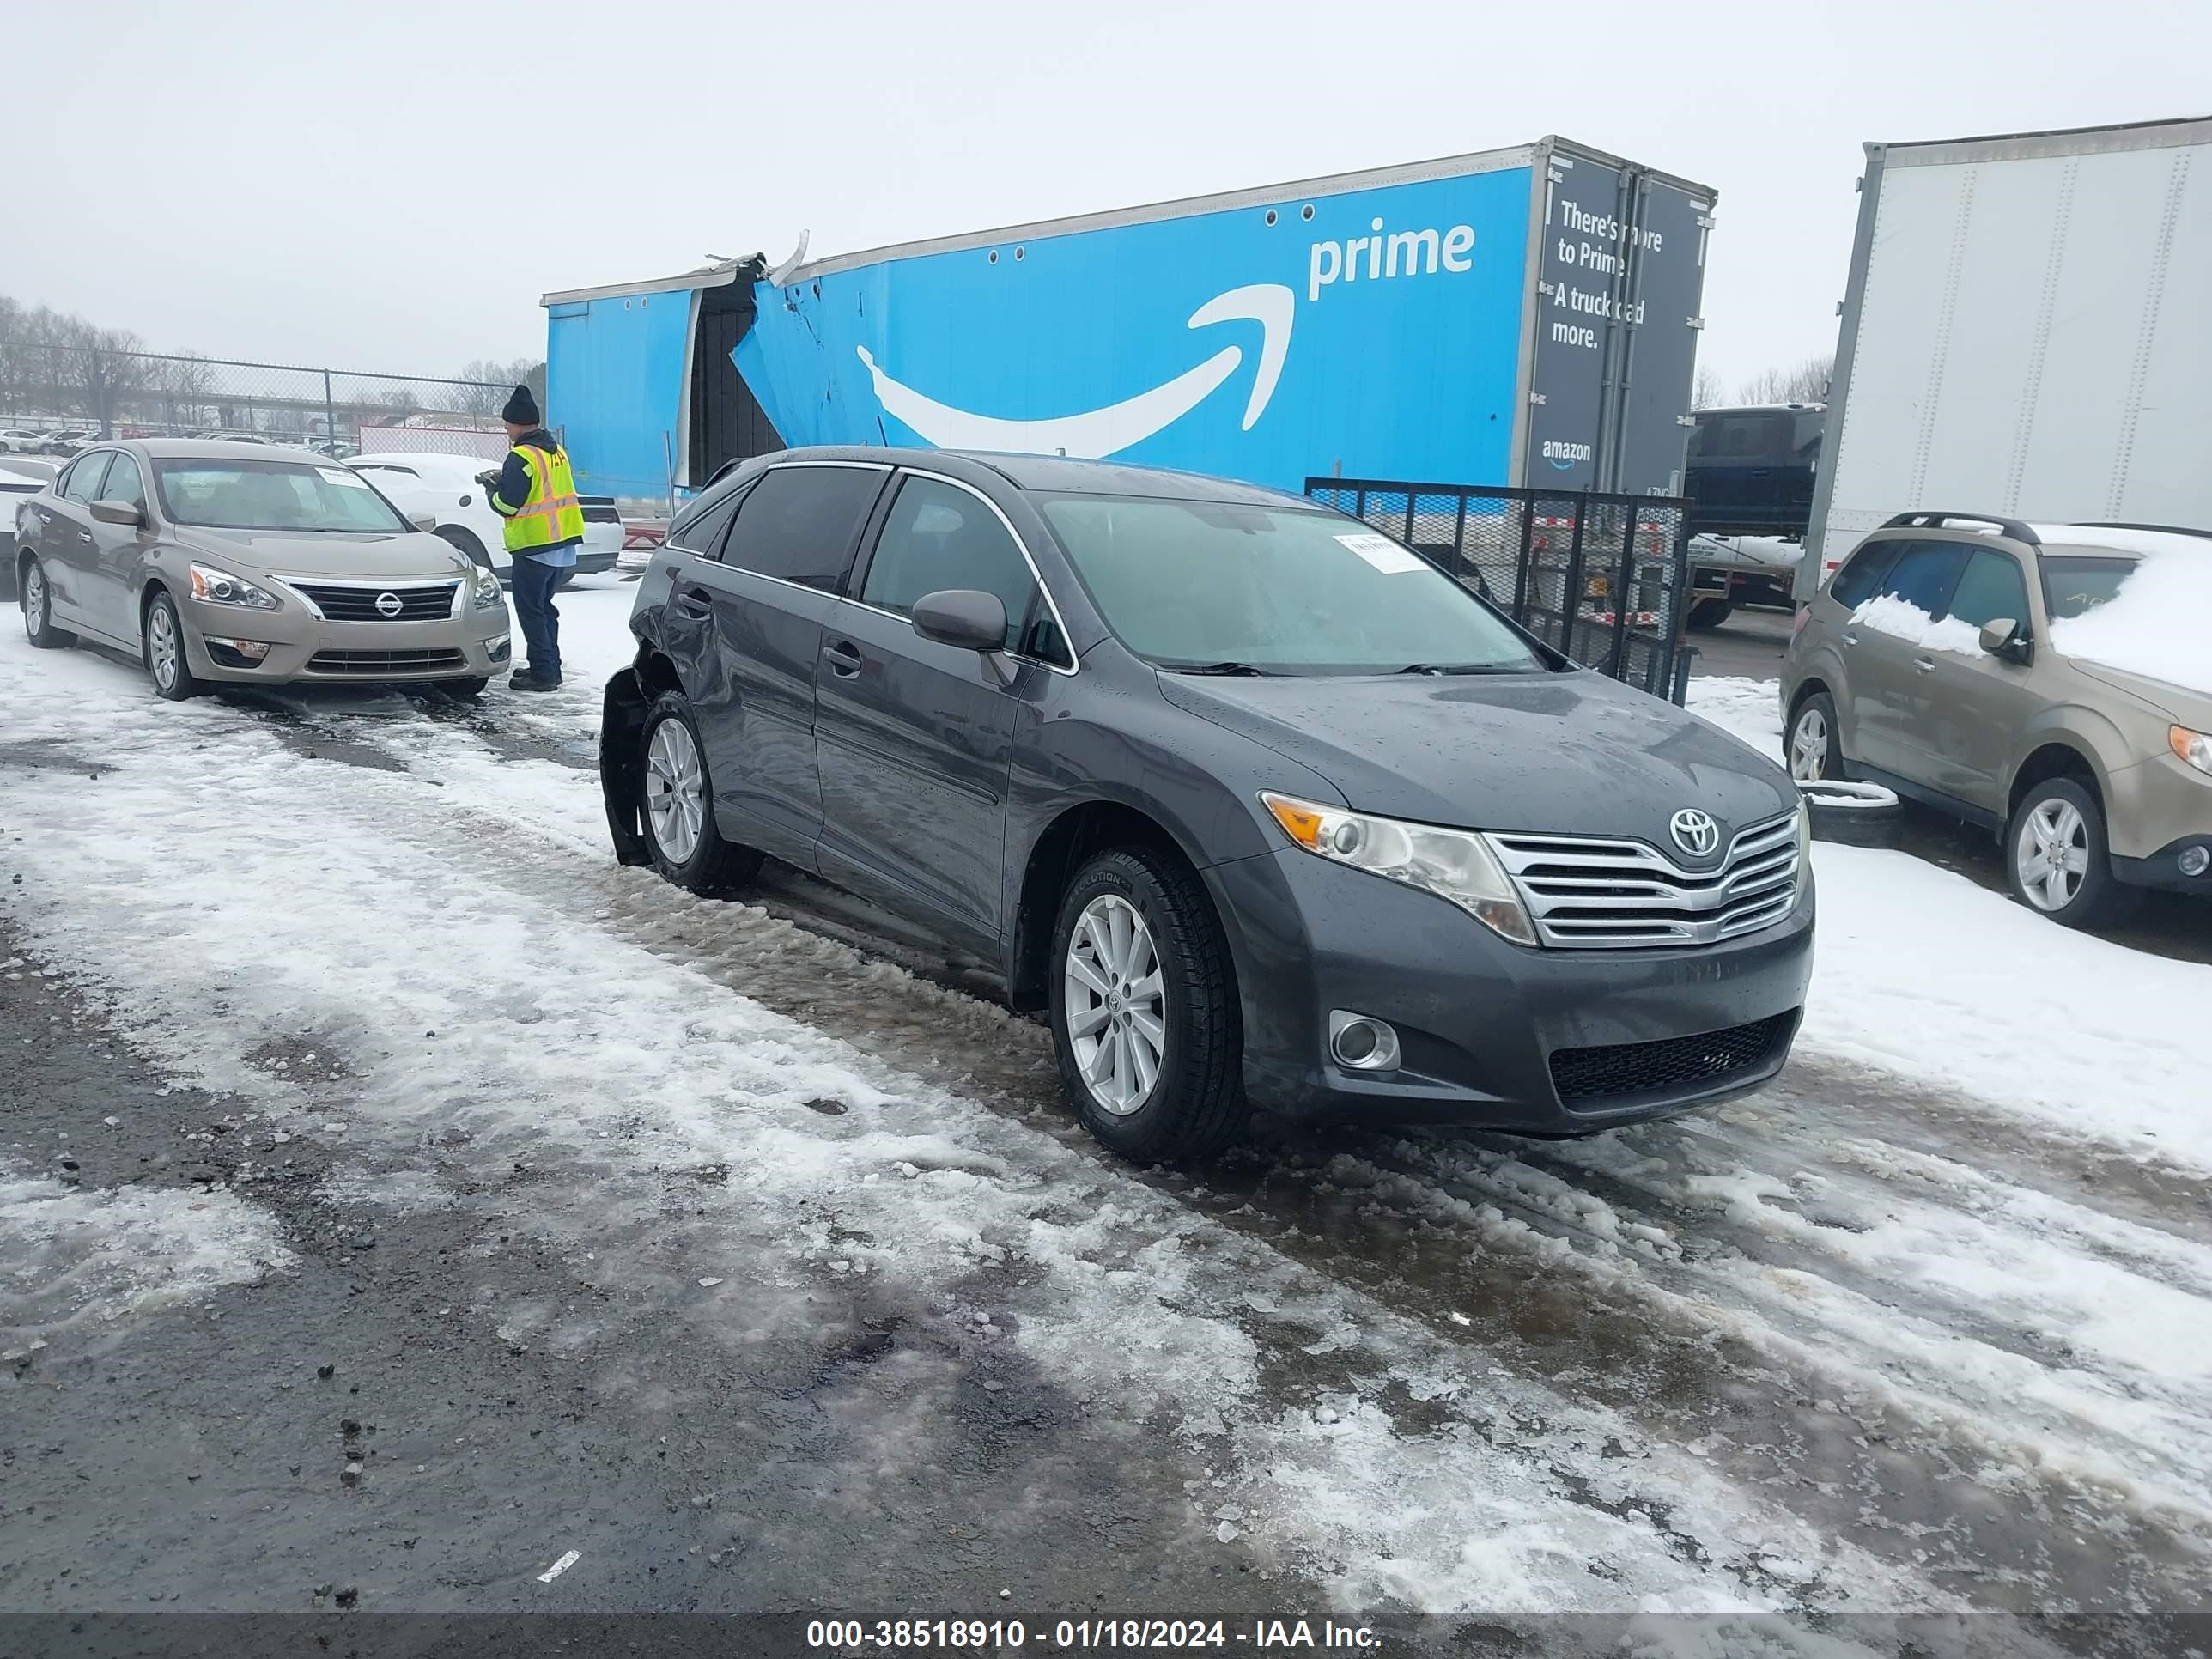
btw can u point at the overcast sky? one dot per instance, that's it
(389, 185)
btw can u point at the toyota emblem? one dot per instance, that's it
(1695, 831)
(388, 604)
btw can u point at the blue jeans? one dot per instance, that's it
(534, 582)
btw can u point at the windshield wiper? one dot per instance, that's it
(1218, 668)
(1460, 668)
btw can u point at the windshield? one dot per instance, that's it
(1239, 588)
(2076, 586)
(297, 495)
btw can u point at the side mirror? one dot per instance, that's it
(962, 617)
(425, 522)
(122, 513)
(2001, 636)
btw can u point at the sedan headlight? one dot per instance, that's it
(220, 587)
(2193, 747)
(487, 588)
(1453, 864)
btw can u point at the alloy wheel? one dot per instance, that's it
(162, 645)
(675, 791)
(1809, 746)
(1116, 1003)
(34, 598)
(2052, 855)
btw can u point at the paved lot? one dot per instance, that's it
(1748, 645)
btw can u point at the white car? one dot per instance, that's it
(445, 488)
(22, 440)
(16, 487)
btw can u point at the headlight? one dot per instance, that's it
(220, 587)
(487, 588)
(1453, 864)
(2194, 747)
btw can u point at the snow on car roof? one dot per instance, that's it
(2126, 539)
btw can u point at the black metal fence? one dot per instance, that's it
(1603, 578)
(70, 394)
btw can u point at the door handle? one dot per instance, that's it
(1850, 639)
(844, 658)
(695, 601)
(1924, 665)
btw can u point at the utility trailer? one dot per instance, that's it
(2025, 334)
(1525, 316)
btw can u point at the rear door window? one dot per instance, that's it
(85, 476)
(699, 527)
(1925, 576)
(1861, 575)
(1990, 587)
(799, 524)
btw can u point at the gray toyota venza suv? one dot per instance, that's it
(1264, 809)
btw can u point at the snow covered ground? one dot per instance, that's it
(1928, 1325)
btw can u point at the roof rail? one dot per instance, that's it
(2012, 527)
(2163, 529)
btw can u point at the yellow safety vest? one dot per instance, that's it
(552, 514)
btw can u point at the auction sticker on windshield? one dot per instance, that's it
(344, 477)
(1385, 555)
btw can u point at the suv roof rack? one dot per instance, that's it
(2162, 529)
(2012, 527)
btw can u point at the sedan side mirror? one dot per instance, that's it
(425, 522)
(2001, 637)
(963, 618)
(122, 513)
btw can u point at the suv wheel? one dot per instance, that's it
(678, 805)
(38, 600)
(1815, 750)
(2057, 861)
(1145, 1019)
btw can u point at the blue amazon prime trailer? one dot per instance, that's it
(1520, 317)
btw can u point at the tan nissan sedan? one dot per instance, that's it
(2048, 681)
(214, 562)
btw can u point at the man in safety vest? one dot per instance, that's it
(536, 494)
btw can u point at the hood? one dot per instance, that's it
(369, 556)
(2177, 704)
(1572, 754)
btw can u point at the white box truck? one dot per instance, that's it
(2026, 332)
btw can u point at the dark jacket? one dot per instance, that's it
(513, 486)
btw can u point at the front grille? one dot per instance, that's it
(366, 664)
(417, 602)
(1594, 893)
(1670, 1065)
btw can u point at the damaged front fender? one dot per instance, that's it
(621, 765)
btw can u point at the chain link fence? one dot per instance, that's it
(54, 399)
(1602, 578)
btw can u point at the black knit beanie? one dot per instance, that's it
(521, 409)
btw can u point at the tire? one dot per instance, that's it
(1852, 814)
(471, 688)
(162, 650)
(1706, 615)
(1822, 759)
(466, 541)
(708, 865)
(37, 602)
(1194, 1104)
(2062, 813)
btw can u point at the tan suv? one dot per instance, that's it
(2037, 680)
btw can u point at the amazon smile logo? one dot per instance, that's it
(1090, 434)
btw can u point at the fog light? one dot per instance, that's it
(2195, 860)
(249, 650)
(500, 646)
(1360, 1044)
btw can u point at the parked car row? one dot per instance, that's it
(46, 440)
(2049, 683)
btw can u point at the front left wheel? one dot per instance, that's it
(166, 661)
(1144, 1018)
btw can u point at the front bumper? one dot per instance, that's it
(477, 645)
(2152, 811)
(1488, 1028)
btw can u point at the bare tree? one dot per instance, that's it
(1805, 383)
(1708, 393)
(497, 378)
